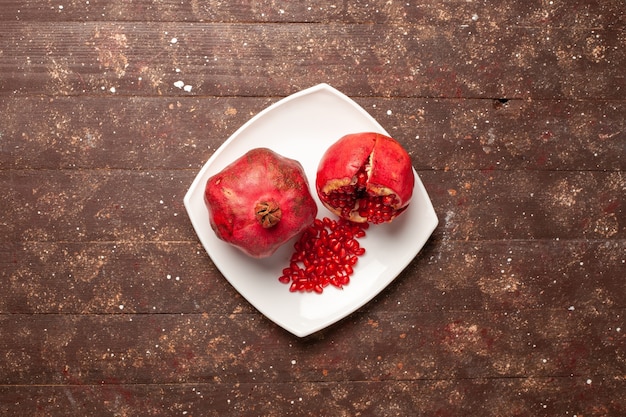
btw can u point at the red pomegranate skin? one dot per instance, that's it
(259, 202)
(387, 165)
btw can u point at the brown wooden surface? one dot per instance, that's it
(514, 113)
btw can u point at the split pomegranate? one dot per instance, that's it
(365, 177)
(259, 202)
(325, 254)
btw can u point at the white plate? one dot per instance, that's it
(302, 126)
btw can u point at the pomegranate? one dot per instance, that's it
(365, 177)
(259, 202)
(324, 255)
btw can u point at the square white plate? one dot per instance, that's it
(302, 126)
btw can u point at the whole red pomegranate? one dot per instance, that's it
(365, 177)
(259, 202)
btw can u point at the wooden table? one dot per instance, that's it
(514, 115)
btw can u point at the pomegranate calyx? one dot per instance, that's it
(268, 213)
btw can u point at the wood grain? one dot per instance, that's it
(238, 59)
(486, 397)
(182, 132)
(512, 112)
(477, 275)
(193, 348)
(581, 13)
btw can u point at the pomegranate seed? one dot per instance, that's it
(376, 209)
(324, 255)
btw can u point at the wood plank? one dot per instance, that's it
(498, 276)
(410, 346)
(124, 58)
(120, 205)
(103, 205)
(485, 397)
(581, 13)
(510, 205)
(135, 133)
(98, 278)
(182, 132)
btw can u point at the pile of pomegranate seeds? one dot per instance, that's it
(324, 255)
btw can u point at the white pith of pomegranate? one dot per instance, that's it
(365, 177)
(259, 202)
